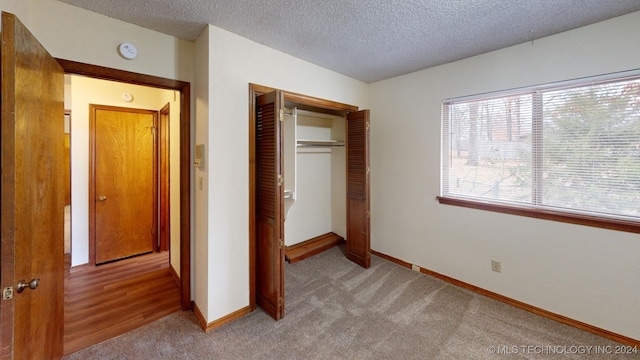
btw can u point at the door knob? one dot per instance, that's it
(102, 198)
(33, 284)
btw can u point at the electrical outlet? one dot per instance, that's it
(496, 266)
(415, 267)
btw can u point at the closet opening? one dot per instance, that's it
(314, 181)
(309, 186)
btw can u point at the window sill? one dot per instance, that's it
(594, 221)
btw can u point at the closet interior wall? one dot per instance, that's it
(314, 175)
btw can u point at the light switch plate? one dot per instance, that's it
(199, 156)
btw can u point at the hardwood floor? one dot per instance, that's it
(108, 300)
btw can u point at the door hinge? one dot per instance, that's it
(281, 114)
(281, 243)
(368, 170)
(368, 214)
(280, 180)
(367, 125)
(280, 301)
(7, 293)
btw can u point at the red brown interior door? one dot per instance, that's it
(124, 178)
(269, 205)
(358, 237)
(32, 187)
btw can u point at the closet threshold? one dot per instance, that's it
(314, 246)
(323, 143)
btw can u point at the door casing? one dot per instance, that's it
(164, 184)
(100, 72)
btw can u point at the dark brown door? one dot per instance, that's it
(32, 186)
(269, 205)
(123, 190)
(358, 238)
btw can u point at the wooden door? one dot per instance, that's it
(269, 205)
(358, 237)
(32, 187)
(123, 190)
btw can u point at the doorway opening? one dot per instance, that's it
(173, 167)
(183, 88)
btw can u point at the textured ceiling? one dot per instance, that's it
(369, 40)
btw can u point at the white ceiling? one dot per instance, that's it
(369, 40)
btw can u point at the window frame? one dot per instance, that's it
(532, 210)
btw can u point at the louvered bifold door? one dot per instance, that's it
(358, 238)
(269, 205)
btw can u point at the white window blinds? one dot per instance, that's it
(572, 147)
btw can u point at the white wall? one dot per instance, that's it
(201, 188)
(234, 62)
(339, 180)
(587, 274)
(311, 214)
(85, 91)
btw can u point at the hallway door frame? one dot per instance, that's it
(101, 72)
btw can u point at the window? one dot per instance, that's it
(569, 151)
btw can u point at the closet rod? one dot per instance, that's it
(320, 143)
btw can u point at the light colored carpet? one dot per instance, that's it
(338, 310)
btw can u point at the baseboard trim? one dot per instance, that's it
(316, 245)
(199, 317)
(79, 267)
(206, 327)
(524, 306)
(175, 275)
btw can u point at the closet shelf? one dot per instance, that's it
(323, 143)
